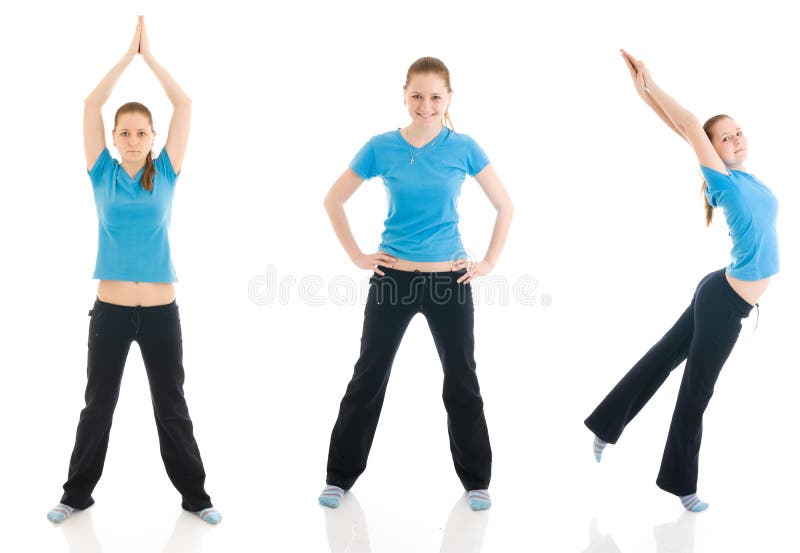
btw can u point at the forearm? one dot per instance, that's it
(341, 226)
(103, 90)
(660, 113)
(174, 92)
(680, 117)
(502, 224)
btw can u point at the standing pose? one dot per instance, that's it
(705, 333)
(135, 297)
(420, 268)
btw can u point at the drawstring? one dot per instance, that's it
(758, 314)
(137, 317)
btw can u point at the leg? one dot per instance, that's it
(385, 321)
(717, 324)
(450, 314)
(160, 341)
(110, 336)
(636, 388)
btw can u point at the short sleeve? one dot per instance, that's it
(477, 159)
(363, 163)
(716, 184)
(164, 167)
(102, 167)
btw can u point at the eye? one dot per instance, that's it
(437, 97)
(416, 96)
(739, 133)
(725, 139)
(142, 133)
(124, 133)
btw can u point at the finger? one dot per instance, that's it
(386, 256)
(378, 271)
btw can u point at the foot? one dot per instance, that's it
(59, 513)
(599, 446)
(693, 504)
(210, 515)
(479, 500)
(331, 496)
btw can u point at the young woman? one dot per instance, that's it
(419, 268)
(135, 297)
(706, 332)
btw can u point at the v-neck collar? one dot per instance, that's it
(135, 178)
(428, 144)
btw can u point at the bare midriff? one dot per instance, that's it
(132, 294)
(425, 266)
(749, 290)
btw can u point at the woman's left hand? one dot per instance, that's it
(480, 268)
(144, 42)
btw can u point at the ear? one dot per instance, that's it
(404, 96)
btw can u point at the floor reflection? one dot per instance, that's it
(347, 527)
(187, 535)
(678, 536)
(79, 533)
(599, 543)
(465, 529)
(672, 537)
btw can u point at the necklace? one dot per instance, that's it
(411, 154)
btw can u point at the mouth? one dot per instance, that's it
(426, 116)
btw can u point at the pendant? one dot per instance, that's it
(411, 161)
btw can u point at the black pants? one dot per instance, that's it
(703, 336)
(393, 300)
(157, 330)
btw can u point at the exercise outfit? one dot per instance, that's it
(134, 246)
(704, 334)
(423, 185)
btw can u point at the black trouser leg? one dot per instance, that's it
(110, 336)
(718, 315)
(450, 314)
(386, 317)
(636, 388)
(160, 341)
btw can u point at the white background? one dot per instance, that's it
(609, 221)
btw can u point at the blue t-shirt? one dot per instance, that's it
(133, 223)
(422, 223)
(751, 211)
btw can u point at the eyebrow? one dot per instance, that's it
(432, 93)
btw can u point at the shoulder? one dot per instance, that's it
(164, 167)
(384, 139)
(104, 166)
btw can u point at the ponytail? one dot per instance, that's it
(149, 171)
(709, 209)
(707, 126)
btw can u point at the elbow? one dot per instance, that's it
(330, 202)
(688, 125)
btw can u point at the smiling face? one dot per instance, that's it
(133, 136)
(729, 142)
(427, 97)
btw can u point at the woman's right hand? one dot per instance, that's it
(370, 261)
(133, 49)
(639, 73)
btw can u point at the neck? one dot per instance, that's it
(418, 135)
(132, 167)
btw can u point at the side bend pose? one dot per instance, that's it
(135, 296)
(420, 268)
(706, 332)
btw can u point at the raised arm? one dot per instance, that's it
(678, 118)
(178, 135)
(340, 192)
(498, 196)
(94, 137)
